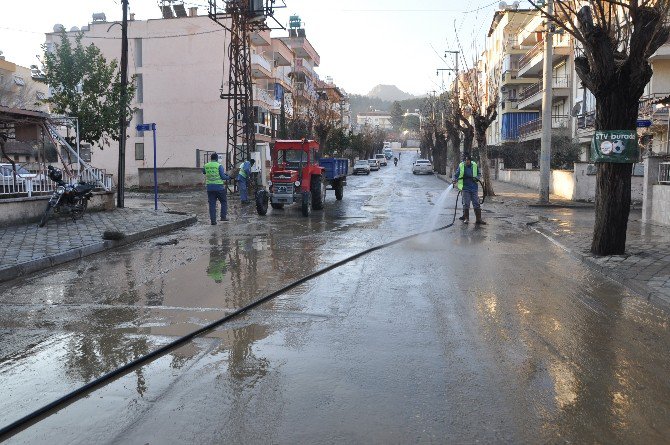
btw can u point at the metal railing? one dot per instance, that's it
(263, 95)
(534, 126)
(557, 82)
(264, 130)
(664, 173)
(38, 182)
(257, 59)
(534, 51)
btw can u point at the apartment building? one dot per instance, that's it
(374, 119)
(178, 67)
(515, 49)
(21, 87)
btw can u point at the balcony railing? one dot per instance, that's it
(534, 126)
(264, 130)
(664, 173)
(263, 96)
(257, 59)
(557, 82)
(534, 51)
(509, 104)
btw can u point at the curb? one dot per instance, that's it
(40, 264)
(633, 286)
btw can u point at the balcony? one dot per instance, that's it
(283, 55)
(509, 104)
(530, 64)
(260, 67)
(264, 97)
(261, 38)
(531, 96)
(533, 129)
(510, 77)
(282, 78)
(302, 48)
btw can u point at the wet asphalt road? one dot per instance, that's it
(467, 335)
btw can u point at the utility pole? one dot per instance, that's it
(120, 189)
(545, 142)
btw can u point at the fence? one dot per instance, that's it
(28, 183)
(559, 121)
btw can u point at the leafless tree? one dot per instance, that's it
(617, 38)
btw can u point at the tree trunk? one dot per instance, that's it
(468, 137)
(484, 161)
(440, 153)
(615, 111)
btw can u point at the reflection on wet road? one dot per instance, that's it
(470, 334)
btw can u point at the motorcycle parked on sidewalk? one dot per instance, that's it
(66, 198)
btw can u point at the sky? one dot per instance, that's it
(362, 43)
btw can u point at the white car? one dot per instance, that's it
(422, 166)
(381, 158)
(374, 164)
(362, 166)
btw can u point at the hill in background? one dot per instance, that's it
(389, 93)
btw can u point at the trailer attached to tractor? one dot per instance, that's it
(300, 175)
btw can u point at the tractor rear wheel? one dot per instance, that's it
(318, 190)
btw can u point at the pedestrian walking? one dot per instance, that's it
(466, 178)
(215, 178)
(243, 180)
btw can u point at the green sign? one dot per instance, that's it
(618, 146)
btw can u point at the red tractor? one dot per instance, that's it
(300, 175)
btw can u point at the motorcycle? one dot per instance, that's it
(66, 198)
(395, 162)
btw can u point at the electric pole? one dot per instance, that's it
(120, 189)
(545, 142)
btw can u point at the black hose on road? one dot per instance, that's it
(45, 411)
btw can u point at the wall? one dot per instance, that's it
(172, 178)
(27, 210)
(575, 186)
(660, 210)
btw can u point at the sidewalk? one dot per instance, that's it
(644, 268)
(26, 248)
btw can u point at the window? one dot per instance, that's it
(139, 120)
(140, 88)
(41, 96)
(139, 151)
(19, 81)
(138, 53)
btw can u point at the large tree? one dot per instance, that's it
(86, 86)
(616, 39)
(397, 116)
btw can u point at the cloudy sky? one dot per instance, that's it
(362, 43)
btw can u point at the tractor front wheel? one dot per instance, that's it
(262, 202)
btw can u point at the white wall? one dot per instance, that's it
(660, 210)
(576, 186)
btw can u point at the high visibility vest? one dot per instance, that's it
(212, 175)
(243, 173)
(461, 174)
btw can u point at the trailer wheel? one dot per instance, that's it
(262, 202)
(339, 189)
(318, 190)
(306, 203)
(277, 206)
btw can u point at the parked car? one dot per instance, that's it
(374, 164)
(381, 158)
(422, 166)
(388, 153)
(7, 174)
(362, 166)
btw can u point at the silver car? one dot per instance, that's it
(362, 166)
(422, 166)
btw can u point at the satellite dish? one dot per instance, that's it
(74, 29)
(516, 4)
(576, 110)
(58, 27)
(502, 5)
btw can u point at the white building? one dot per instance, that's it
(178, 65)
(374, 119)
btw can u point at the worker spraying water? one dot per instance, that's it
(467, 177)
